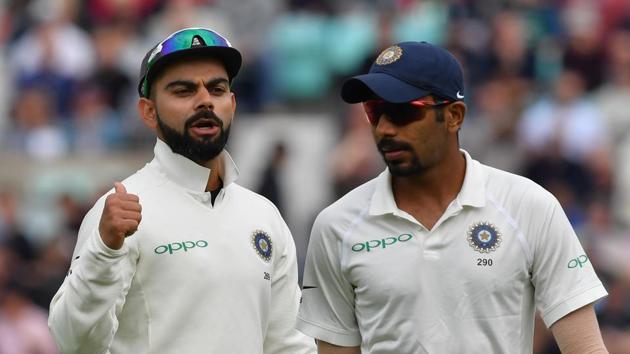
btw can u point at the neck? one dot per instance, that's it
(216, 173)
(436, 187)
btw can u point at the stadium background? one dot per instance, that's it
(548, 90)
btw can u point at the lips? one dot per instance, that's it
(204, 123)
(391, 149)
(204, 127)
(393, 154)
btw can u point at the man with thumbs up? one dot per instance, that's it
(178, 258)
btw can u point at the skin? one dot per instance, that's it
(178, 93)
(426, 193)
(434, 145)
(578, 332)
(327, 348)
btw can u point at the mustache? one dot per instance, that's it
(204, 114)
(389, 144)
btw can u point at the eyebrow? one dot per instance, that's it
(192, 84)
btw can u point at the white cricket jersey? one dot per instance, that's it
(194, 278)
(377, 278)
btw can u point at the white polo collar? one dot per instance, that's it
(186, 172)
(473, 192)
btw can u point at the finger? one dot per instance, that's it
(126, 205)
(128, 226)
(130, 198)
(119, 188)
(130, 215)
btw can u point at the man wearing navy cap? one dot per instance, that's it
(178, 258)
(440, 253)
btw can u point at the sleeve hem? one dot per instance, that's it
(101, 248)
(327, 335)
(569, 305)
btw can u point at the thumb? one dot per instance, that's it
(119, 187)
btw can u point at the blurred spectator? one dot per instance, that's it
(567, 145)
(23, 325)
(565, 120)
(612, 100)
(584, 52)
(490, 132)
(511, 56)
(55, 53)
(11, 233)
(109, 75)
(270, 185)
(95, 128)
(34, 130)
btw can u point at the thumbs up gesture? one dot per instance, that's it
(121, 217)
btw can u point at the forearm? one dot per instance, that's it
(578, 333)
(83, 312)
(327, 348)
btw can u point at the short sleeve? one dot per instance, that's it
(327, 306)
(562, 274)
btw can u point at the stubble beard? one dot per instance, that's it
(398, 168)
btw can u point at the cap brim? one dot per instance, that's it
(230, 57)
(379, 85)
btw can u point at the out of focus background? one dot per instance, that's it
(548, 91)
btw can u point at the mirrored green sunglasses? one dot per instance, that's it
(188, 42)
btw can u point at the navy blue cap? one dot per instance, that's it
(405, 72)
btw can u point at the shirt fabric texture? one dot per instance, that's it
(194, 278)
(375, 277)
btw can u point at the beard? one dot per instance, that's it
(197, 150)
(398, 168)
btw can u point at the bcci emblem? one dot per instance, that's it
(484, 237)
(262, 244)
(389, 55)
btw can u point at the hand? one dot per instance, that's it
(121, 217)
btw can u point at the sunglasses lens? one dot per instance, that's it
(189, 38)
(372, 111)
(399, 114)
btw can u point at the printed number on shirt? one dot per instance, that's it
(484, 262)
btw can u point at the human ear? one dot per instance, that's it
(455, 116)
(148, 113)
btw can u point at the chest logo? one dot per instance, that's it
(262, 244)
(484, 237)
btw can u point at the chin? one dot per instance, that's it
(401, 170)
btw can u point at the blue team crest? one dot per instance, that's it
(484, 237)
(262, 244)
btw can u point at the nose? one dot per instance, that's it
(204, 99)
(385, 127)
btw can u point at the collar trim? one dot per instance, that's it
(473, 192)
(188, 174)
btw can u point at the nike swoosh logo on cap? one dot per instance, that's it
(459, 95)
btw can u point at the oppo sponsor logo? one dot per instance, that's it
(382, 243)
(180, 246)
(579, 261)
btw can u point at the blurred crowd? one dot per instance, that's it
(547, 87)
